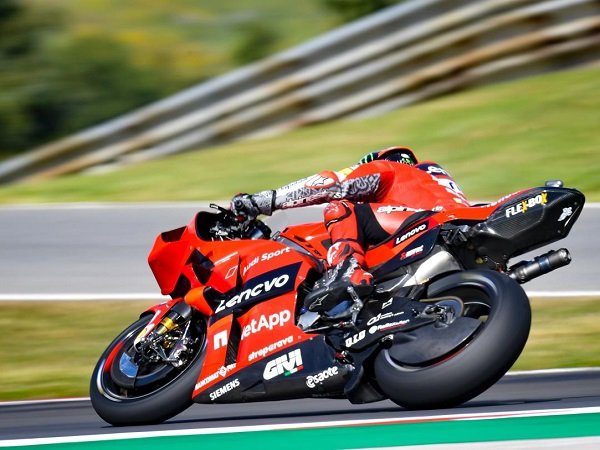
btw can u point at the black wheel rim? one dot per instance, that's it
(115, 383)
(476, 305)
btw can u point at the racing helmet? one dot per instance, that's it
(402, 155)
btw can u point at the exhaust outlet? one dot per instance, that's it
(525, 271)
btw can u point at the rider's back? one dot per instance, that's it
(425, 186)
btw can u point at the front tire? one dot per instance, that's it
(503, 308)
(164, 391)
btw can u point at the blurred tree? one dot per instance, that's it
(256, 40)
(89, 79)
(349, 10)
(22, 33)
(50, 87)
(66, 65)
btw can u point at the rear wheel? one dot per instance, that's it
(134, 384)
(481, 359)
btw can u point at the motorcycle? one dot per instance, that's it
(446, 320)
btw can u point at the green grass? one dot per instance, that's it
(48, 350)
(494, 140)
(564, 333)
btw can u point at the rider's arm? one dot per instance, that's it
(360, 183)
(357, 183)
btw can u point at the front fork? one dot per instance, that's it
(156, 338)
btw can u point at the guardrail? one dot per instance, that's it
(394, 58)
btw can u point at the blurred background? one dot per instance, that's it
(68, 65)
(101, 86)
(195, 100)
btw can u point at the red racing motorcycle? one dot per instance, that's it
(446, 320)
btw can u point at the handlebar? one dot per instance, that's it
(231, 227)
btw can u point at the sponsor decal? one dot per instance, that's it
(450, 186)
(271, 284)
(388, 326)
(286, 365)
(231, 272)
(378, 317)
(388, 209)
(267, 323)
(265, 257)
(225, 389)
(270, 348)
(220, 340)
(313, 381)
(355, 339)
(412, 252)
(525, 205)
(416, 230)
(388, 303)
(221, 373)
(437, 170)
(226, 258)
(566, 212)
(319, 181)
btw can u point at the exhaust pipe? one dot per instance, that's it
(525, 271)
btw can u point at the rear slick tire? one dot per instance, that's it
(141, 408)
(476, 366)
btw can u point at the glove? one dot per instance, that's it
(251, 206)
(242, 205)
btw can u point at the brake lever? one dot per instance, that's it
(220, 208)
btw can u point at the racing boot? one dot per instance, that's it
(331, 296)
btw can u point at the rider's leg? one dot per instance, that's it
(346, 257)
(353, 228)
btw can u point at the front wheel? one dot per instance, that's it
(503, 309)
(135, 385)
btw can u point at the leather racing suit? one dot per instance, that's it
(367, 204)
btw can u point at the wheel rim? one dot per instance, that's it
(122, 375)
(476, 304)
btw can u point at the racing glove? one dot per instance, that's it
(253, 205)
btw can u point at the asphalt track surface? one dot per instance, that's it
(100, 250)
(544, 390)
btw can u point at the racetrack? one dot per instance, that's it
(519, 392)
(100, 251)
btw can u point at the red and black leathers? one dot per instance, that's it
(367, 202)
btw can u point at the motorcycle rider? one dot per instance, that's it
(368, 203)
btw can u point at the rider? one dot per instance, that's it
(368, 202)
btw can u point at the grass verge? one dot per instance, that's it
(495, 140)
(49, 349)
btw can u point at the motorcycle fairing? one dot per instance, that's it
(412, 250)
(259, 288)
(216, 363)
(238, 341)
(306, 369)
(256, 319)
(527, 221)
(168, 256)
